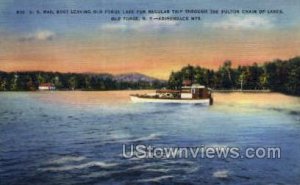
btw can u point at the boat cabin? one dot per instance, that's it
(194, 91)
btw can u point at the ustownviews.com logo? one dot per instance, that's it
(154, 152)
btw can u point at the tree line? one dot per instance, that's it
(29, 81)
(278, 75)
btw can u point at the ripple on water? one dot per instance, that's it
(66, 159)
(80, 166)
(222, 174)
(156, 179)
(131, 140)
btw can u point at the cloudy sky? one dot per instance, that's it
(93, 43)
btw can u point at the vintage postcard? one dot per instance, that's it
(149, 92)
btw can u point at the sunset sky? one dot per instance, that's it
(93, 43)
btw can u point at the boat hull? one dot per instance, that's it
(137, 99)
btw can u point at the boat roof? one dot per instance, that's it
(167, 91)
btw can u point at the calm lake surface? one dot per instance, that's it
(76, 138)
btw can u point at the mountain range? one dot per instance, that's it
(135, 77)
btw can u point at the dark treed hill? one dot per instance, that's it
(278, 75)
(26, 81)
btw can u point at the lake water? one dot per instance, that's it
(76, 138)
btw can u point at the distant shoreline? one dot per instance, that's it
(82, 90)
(243, 91)
(214, 91)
